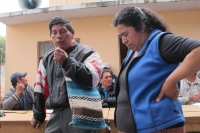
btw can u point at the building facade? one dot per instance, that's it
(28, 37)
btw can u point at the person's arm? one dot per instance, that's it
(184, 99)
(190, 58)
(39, 114)
(189, 93)
(110, 100)
(184, 93)
(174, 48)
(194, 98)
(189, 66)
(86, 73)
(11, 101)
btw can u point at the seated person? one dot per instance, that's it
(107, 66)
(106, 89)
(20, 95)
(190, 90)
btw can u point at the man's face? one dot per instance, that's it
(61, 36)
(106, 80)
(23, 80)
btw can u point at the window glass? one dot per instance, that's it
(45, 46)
(48, 46)
(41, 49)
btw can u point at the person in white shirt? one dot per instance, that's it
(190, 90)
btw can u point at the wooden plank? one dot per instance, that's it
(192, 124)
(192, 114)
(15, 111)
(111, 121)
(20, 123)
(15, 122)
(190, 108)
(20, 127)
(111, 114)
(13, 117)
(105, 112)
(192, 118)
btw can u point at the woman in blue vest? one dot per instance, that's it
(147, 90)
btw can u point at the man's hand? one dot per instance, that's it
(168, 89)
(19, 89)
(60, 56)
(34, 123)
(195, 97)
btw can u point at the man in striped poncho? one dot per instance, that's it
(79, 62)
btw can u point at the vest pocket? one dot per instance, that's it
(166, 110)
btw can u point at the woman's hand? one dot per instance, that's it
(169, 89)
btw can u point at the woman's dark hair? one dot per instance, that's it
(60, 20)
(105, 70)
(135, 17)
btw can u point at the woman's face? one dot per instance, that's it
(131, 38)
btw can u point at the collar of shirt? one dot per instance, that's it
(105, 91)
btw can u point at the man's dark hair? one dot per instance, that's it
(14, 82)
(60, 20)
(106, 70)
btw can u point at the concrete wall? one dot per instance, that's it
(57, 2)
(68, 2)
(185, 23)
(22, 49)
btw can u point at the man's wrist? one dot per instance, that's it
(36, 120)
(64, 63)
(17, 93)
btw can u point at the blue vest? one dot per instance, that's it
(146, 75)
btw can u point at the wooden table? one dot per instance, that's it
(110, 119)
(19, 122)
(192, 118)
(191, 114)
(105, 115)
(106, 112)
